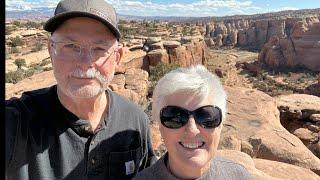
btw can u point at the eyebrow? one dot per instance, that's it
(69, 38)
(95, 42)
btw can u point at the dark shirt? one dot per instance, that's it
(45, 141)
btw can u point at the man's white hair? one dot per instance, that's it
(195, 80)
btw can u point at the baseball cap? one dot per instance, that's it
(96, 9)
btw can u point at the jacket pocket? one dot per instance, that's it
(124, 165)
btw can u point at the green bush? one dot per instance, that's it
(9, 29)
(16, 41)
(16, 23)
(14, 50)
(45, 62)
(159, 71)
(20, 62)
(37, 47)
(47, 69)
(31, 24)
(15, 76)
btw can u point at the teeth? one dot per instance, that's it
(192, 145)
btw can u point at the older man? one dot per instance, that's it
(78, 129)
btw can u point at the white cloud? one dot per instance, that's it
(268, 10)
(149, 8)
(288, 8)
(20, 5)
(198, 8)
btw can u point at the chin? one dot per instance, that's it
(84, 91)
(199, 161)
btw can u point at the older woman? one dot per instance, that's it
(190, 104)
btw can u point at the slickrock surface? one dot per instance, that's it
(41, 80)
(300, 115)
(253, 120)
(265, 169)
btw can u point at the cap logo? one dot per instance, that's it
(101, 14)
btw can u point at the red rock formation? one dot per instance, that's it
(301, 48)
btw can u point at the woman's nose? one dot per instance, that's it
(191, 128)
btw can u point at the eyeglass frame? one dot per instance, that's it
(82, 47)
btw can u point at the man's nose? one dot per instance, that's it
(191, 128)
(85, 56)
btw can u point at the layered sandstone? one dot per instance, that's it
(300, 48)
(184, 51)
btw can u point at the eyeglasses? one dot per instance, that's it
(175, 117)
(74, 50)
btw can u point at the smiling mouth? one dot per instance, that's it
(192, 145)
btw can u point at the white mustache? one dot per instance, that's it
(90, 73)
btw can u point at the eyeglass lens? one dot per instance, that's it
(74, 50)
(176, 117)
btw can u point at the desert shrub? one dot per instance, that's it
(29, 72)
(37, 47)
(14, 76)
(45, 62)
(32, 24)
(16, 41)
(16, 23)
(47, 69)
(36, 67)
(14, 50)
(159, 71)
(20, 62)
(9, 29)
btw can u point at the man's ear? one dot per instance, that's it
(119, 54)
(50, 49)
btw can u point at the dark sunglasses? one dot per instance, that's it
(175, 117)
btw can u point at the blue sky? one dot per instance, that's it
(183, 7)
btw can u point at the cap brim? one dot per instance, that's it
(53, 23)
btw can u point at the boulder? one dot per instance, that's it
(37, 81)
(133, 59)
(171, 44)
(118, 81)
(137, 81)
(157, 56)
(306, 136)
(298, 106)
(315, 117)
(253, 118)
(157, 45)
(129, 94)
(152, 40)
(284, 170)
(246, 161)
(178, 55)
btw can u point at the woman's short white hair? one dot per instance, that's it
(196, 80)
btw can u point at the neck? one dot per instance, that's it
(183, 171)
(92, 109)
